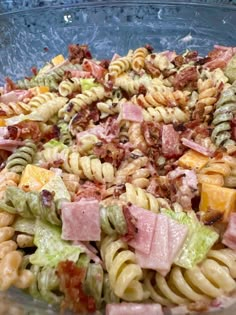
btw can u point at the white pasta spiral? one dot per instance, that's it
(42, 98)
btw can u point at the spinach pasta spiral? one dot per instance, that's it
(113, 220)
(223, 115)
(23, 156)
(31, 204)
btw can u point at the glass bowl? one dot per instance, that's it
(31, 36)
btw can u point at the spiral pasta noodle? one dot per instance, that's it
(214, 276)
(109, 107)
(124, 273)
(41, 99)
(113, 220)
(138, 58)
(136, 137)
(30, 204)
(24, 155)
(38, 81)
(7, 179)
(225, 107)
(48, 110)
(67, 87)
(166, 98)
(12, 109)
(143, 199)
(160, 61)
(71, 182)
(93, 169)
(81, 100)
(119, 66)
(165, 114)
(65, 135)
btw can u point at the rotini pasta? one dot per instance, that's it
(12, 109)
(113, 220)
(119, 65)
(17, 161)
(165, 114)
(124, 273)
(41, 99)
(67, 87)
(138, 58)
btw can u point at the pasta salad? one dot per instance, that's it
(118, 181)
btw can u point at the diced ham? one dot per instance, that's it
(219, 57)
(189, 177)
(9, 97)
(229, 238)
(145, 223)
(197, 147)
(23, 94)
(115, 57)
(158, 258)
(168, 239)
(133, 309)
(80, 74)
(169, 54)
(171, 146)
(10, 145)
(96, 70)
(131, 112)
(81, 220)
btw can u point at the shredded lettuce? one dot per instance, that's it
(199, 241)
(87, 84)
(57, 186)
(54, 144)
(51, 249)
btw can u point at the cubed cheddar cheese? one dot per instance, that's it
(193, 160)
(218, 198)
(2, 122)
(57, 60)
(34, 178)
(213, 179)
(40, 89)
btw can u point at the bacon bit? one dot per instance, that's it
(90, 190)
(159, 187)
(185, 77)
(52, 132)
(104, 63)
(10, 85)
(119, 189)
(47, 198)
(110, 152)
(131, 225)
(178, 61)
(151, 69)
(46, 49)
(211, 217)
(191, 56)
(96, 70)
(151, 132)
(25, 130)
(71, 284)
(3, 157)
(233, 129)
(2, 113)
(149, 48)
(34, 70)
(142, 89)
(82, 118)
(199, 306)
(77, 53)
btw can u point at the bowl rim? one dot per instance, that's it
(127, 3)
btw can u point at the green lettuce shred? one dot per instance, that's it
(51, 249)
(87, 84)
(199, 241)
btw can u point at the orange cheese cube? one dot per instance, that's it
(2, 122)
(213, 179)
(193, 160)
(40, 89)
(218, 198)
(57, 60)
(34, 178)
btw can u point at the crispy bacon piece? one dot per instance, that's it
(34, 70)
(104, 63)
(233, 128)
(149, 48)
(71, 284)
(77, 53)
(131, 225)
(159, 187)
(151, 69)
(185, 77)
(90, 190)
(110, 152)
(211, 217)
(25, 130)
(96, 70)
(152, 132)
(10, 85)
